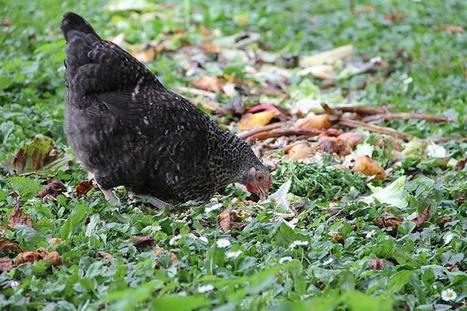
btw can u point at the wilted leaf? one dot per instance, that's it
(142, 241)
(83, 188)
(208, 83)
(265, 107)
(35, 155)
(369, 167)
(252, 120)
(224, 220)
(145, 55)
(316, 121)
(388, 221)
(452, 28)
(352, 139)
(18, 218)
(327, 57)
(339, 238)
(210, 48)
(106, 257)
(319, 71)
(40, 254)
(422, 218)
(300, 151)
(52, 189)
(6, 264)
(394, 17)
(8, 246)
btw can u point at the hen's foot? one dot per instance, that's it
(155, 201)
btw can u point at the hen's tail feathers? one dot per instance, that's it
(72, 21)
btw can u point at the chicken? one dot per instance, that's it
(127, 129)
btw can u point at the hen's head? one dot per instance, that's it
(258, 180)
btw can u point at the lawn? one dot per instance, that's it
(368, 214)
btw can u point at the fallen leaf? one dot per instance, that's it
(394, 17)
(142, 241)
(7, 22)
(210, 48)
(334, 145)
(52, 189)
(364, 9)
(40, 254)
(55, 241)
(35, 155)
(224, 220)
(106, 257)
(394, 194)
(6, 264)
(369, 167)
(252, 120)
(324, 72)
(452, 28)
(352, 139)
(264, 107)
(300, 151)
(339, 238)
(8, 246)
(83, 188)
(422, 218)
(377, 264)
(145, 55)
(208, 83)
(327, 57)
(388, 220)
(315, 121)
(18, 218)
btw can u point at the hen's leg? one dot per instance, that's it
(155, 201)
(107, 191)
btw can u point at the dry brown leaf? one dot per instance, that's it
(394, 17)
(106, 257)
(208, 83)
(300, 151)
(224, 220)
(39, 254)
(452, 28)
(252, 120)
(210, 48)
(52, 189)
(388, 220)
(422, 218)
(314, 122)
(334, 145)
(352, 139)
(173, 258)
(83, 188)
(35, 155)
(8, 246)
(327, 57)
(142, 241)
(339, 238)
(6, 264)
(18, 218)
(369, 167)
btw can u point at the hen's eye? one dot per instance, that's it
(260, 177)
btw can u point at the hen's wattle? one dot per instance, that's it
(127, 129)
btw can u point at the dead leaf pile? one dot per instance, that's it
(40, 254)
(51, 190)
(231, 219)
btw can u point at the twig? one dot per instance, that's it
(194, 91)
(361, 110)
(259, 130)
(405, 116)
(375, 128)
(287, 132)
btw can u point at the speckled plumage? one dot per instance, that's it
(127, 129)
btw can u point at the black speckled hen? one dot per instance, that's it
(128, 130)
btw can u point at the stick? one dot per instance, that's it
(361, 110)
(194, 91)
(405, 116)
(286, 132)
(375, 128)
(259, 130)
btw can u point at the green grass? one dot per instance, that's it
(333, 270)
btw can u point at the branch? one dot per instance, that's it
(287, 132)
(259, 130)
(405, 116)
(375, 128)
